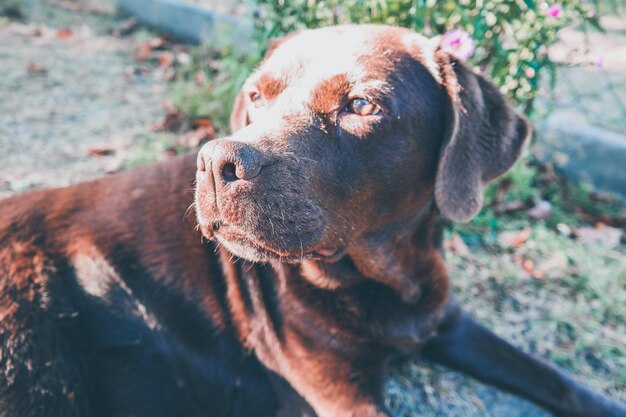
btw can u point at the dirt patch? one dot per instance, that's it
(69, 88)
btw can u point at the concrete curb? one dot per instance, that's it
(584, 153)
(189, 23)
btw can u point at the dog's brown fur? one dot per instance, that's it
(325, 259)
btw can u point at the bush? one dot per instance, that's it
(512, 36)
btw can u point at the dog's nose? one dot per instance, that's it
(230, 161)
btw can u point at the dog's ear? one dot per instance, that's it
(239, 116)
(484, 137)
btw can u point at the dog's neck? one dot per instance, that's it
(403, 255)
(395, 274)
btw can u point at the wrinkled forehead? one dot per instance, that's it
(355, 53)
(325, 52)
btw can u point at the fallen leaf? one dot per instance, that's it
(608, 236)
(171, 151)
(172, 121)
(200, 122)
(143, 51)
(166, 59)
(514, 239)
(64, 33)
(528, 266)
(97, 152)
(36, 68)
(157, 43)
(456, 245)
(553, 267)
(195, 138)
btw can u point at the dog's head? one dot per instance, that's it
(343, 131)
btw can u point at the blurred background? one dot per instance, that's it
(92, 87)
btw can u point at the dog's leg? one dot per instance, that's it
(465, 345)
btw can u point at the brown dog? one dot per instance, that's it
(324, 260)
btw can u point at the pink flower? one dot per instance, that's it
(555, 11)
(599, 61)
(458, 43)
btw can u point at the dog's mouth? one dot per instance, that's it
(251, 248)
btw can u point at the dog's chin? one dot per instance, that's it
(254, 250)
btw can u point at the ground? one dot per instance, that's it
(66, 96)
(80, 103)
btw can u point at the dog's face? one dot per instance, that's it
(342, 131)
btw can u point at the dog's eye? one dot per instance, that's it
(255, 97)
(363, 107)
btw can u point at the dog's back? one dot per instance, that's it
(39, 375)
(100, 288)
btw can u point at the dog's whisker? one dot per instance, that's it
(298, 158)
(192, 206)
